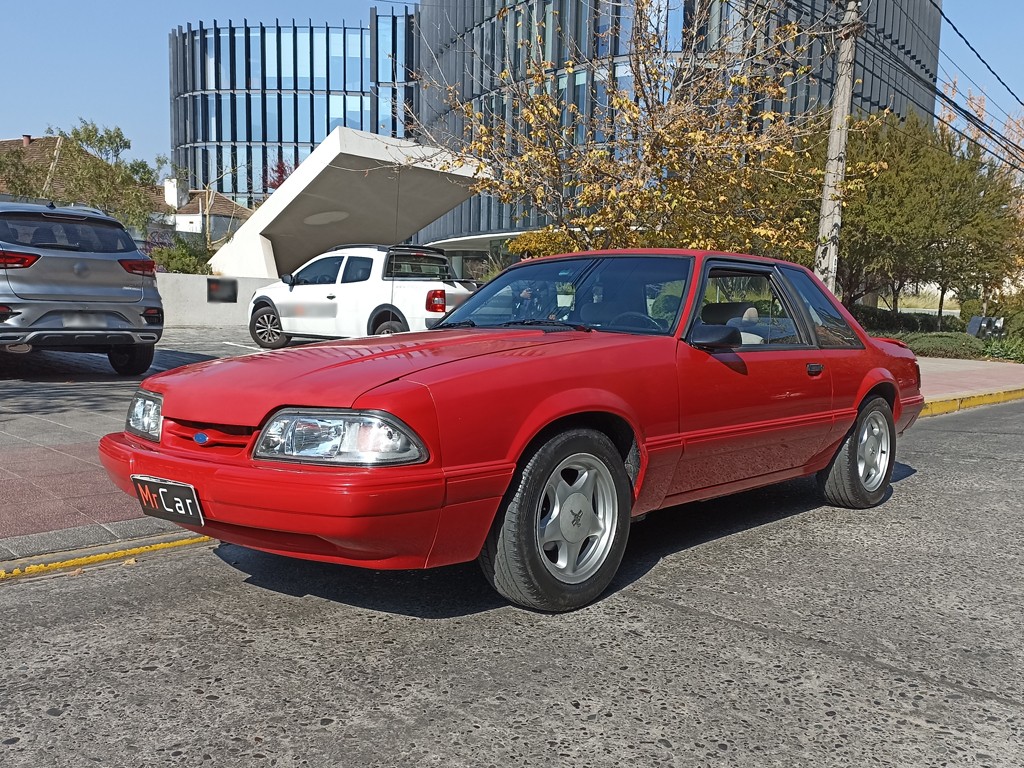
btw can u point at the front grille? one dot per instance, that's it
(220, 439)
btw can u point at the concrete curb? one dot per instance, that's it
(956, 403)
(65, 559)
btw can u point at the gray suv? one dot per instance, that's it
(72, 279)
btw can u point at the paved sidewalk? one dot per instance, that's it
(56, 497)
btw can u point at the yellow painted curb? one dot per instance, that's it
(954, 404)
(35, 570)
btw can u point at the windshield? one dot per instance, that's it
(626, 293)
(70, 233)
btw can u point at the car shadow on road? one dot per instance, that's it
(436, 593)
(461, 590)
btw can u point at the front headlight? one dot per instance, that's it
(145, 415)
(353, 438)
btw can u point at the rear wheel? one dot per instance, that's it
(132, 360)
(389, 327)
(560, 538)
(859, 475)
(265, 328)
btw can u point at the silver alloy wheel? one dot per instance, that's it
(268, 327)
(873, 446)
(577, 518)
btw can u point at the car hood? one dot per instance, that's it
(243, 390)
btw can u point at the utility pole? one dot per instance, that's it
(826, 262)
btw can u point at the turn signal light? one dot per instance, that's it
(144, 267)
(436, 301)
(14, 260)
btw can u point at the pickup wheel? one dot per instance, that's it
(131, 360)
(859, 475)
(265, 329)
(560, 538)
(391, 326)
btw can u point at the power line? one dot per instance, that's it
(975, 51)
(989, 101)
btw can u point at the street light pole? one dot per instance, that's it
(826, 262)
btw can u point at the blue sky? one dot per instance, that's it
(107, 61)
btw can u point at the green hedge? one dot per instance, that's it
(959, 346)
(878, 321)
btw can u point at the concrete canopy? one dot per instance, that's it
(356, 187)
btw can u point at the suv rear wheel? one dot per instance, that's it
(132, 360)
(391, 326)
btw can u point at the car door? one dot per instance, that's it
(356, 296)
(754, 410)
(310, 307)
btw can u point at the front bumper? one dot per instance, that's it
(384, 517)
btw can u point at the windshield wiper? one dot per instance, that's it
(459, 324)
(557, 323)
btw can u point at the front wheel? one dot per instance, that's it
(859, 475)
(265, 328)
(131, 360)
(560, 537)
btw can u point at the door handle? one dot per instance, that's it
(815, 369)
(330, 295)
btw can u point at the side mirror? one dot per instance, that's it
(715, 337)
(288, 279)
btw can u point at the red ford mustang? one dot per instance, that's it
(566, 397)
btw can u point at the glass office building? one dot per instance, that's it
(245, 97)
(470, 41)
(247, 100)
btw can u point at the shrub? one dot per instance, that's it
(952, 345)
(1011, 348)
(187, 255)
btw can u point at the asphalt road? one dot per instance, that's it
(759, 630)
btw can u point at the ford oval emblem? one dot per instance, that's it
(202, 438)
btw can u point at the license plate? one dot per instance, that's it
(84, 320)
(168, 500)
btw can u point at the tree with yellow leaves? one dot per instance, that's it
(684, 142)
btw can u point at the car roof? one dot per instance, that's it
(67, 210)
(699, 254)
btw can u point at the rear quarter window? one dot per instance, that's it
(830, 328)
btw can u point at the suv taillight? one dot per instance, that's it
(144, 267)
(6, 313)
(436, 301)
(14, 260)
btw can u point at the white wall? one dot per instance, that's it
(185, 300)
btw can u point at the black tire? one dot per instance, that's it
(265, 329)
(523, 555)
(131, 360)
(389, 327)
(858, 476)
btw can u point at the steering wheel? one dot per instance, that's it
(646, 322)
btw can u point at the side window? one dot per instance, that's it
(357, 269)
(750, 302)
(320, 272)
(830, 327)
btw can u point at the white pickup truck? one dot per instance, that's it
(357, 290)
